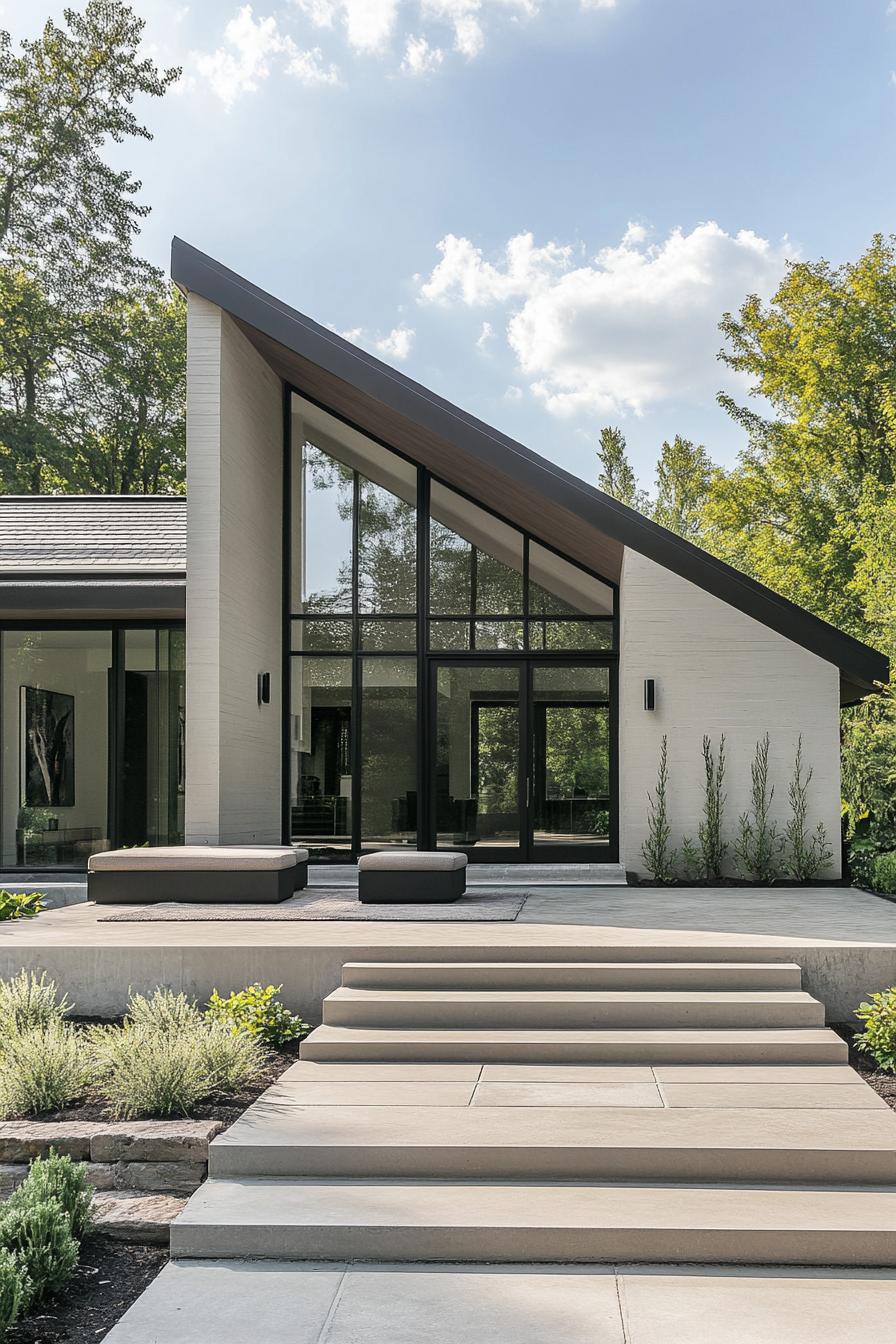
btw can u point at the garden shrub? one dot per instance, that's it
(879, 1037)
(28, 1001)
(868, 781)
(883, 873)
(232, 1059)
(256, 1010)
(806, 855)
(58, 1177)
(42, 1070)
(659, 859)
(38, 1234)
(20, 904)
(712, 847)
(163, 1011)
(145, 1071)
(15, 1290)
(758, 843)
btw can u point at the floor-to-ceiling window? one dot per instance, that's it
(452, 677)
(91, 741)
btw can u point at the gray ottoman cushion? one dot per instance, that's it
(411, 877)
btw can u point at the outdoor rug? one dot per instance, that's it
(323, 903)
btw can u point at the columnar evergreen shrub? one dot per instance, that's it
(15, 1290)
(758, 843)
(659, 859)
(37, 1232)
(806, 855)
(58, 1177)
(712, 846)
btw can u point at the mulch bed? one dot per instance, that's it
(884, 1084)
(110, 1277)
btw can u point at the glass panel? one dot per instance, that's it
(449, 634)
(322, 532)
(151, 807)
(320, 794)
(388, 752)
(499, 634)
(389, 635)
(568, 635)
(559, 588)
(55, 746)
(387, 545)
(475, 559)
(321, 635)
(477, 756)
(571, 756)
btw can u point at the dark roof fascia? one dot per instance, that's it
(195, 272)
(163, 598)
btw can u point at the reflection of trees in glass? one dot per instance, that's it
(387, 560)
(455, 565)
(577, 751)
(388, 749)
(497, 758)
(325, 476)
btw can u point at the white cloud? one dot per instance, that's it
(630, 327)
(513, 393)
(486, 334)
(244, 61)
(368, 23)
(598, 4)
(397, 345)
(420, 58)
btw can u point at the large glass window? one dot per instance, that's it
(570, 740)
(151, 810)
(477, 756)
(388, 752)
(320, 803)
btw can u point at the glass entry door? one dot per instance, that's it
(523, 760)
(478, 761)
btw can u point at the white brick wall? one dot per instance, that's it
(716, 670)
(234, 583)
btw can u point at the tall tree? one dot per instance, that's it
(68, 220)
(616, 477)
(822, 354)
(683, 475)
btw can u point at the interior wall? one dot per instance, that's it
(716, 671)
(234, 583)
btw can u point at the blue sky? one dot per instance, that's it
(538, 208)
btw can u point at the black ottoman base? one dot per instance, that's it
(410, 886)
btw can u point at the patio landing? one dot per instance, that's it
(844, 940)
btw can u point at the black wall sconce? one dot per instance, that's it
(264, 688)
(649, 693)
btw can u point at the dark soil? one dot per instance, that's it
(633, 880)
(884, 1084)
(110, 1276)
(226, 1108)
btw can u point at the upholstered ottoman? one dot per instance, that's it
(411, 876)
(213, 874)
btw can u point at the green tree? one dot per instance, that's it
(683, 475)
(616, 477)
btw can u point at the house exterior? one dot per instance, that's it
(377, 622)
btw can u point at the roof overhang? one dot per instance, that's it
(93, 596)
(552, 504)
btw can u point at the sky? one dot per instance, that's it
(540, 209)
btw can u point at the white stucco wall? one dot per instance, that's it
(716, 671)
(234, 583)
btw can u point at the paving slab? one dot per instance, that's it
(790, 1096)
(487, 1305)
(311, 1070)
(592, 975)
(230, 1303)
(567, 1094)
(700, 1305)
(829, 1074)
(346, 1092)
(564, 1073)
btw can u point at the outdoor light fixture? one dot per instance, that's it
(649, 693)
(264, 688)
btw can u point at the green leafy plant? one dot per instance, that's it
(883, 873)
(15, 1290)
(58, 1177)
(659, 859)
(20, 904)
(257, 1010)
(879, 1037)
(42, 1070)
(28, 1001)
(806, 854)
(712, 847)
(691, 860)
(232, 1059)
(37, 1233)
(758, 843)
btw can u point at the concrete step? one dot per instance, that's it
(587, 975)
(795, 1045)
(469, 1221)
(478, 1008)
(559, 1143)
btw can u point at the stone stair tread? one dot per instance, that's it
(345, 994)
(471, 1220)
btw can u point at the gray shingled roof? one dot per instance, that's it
(93, 533)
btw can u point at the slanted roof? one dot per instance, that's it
(552, 504)
(93, 555)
